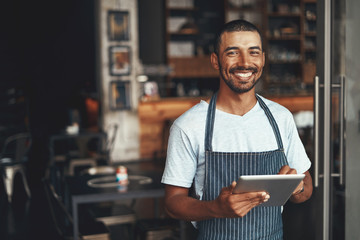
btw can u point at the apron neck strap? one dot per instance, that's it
(210, 120)
(272, 121)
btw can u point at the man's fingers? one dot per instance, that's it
(287, 170)
(259, 197)
(284, 169)
(232, 186)
(299, 188)
(248, 202)
(239, 204)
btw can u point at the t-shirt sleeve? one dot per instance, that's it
(181, 160)
(295, 152)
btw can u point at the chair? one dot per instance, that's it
(12, 161)
(100, 156)
(76, 163)
(88, 227)
(111, 132)
(108, 146)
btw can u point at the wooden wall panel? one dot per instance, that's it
(156, 118)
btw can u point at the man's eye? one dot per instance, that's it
(232, 53)
(255, 52)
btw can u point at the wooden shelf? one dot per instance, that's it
(182, 9)
(285, 62)
(289, 14)
(297, 20)
(243, 9)
(310, 34)
(188, 42)
(179, 33)
(285, 38)
(192, 67)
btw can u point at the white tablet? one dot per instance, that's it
(279, 187)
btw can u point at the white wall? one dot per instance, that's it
(127, 142)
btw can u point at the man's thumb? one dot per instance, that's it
(232, 186)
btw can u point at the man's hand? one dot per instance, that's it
(304, 190)
(231, 204)
(287, 170)
(179, 205)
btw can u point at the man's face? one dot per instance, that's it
(240, 61)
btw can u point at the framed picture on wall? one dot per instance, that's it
(119, 95)
(118, 26)
(119, 60)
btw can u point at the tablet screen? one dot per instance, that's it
(279, 186)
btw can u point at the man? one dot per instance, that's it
(236, 133)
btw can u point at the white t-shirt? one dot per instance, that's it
(251, 132)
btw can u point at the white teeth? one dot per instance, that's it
(244, 74)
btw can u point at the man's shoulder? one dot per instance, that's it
(193, 116)
(275, 107)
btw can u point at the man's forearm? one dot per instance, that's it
(189, 209)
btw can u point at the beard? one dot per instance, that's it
(238, 88)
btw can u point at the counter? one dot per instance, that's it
(156, 117)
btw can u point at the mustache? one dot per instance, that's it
(232, 70)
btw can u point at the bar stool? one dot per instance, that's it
(12, 161)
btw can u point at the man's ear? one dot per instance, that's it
(214, 61)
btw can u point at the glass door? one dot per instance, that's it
(352, 123)
(337, 123)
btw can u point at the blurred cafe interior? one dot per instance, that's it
(90, 88)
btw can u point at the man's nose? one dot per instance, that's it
(244, 60)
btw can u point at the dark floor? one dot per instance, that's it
(25, 218)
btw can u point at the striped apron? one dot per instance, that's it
(221, 168)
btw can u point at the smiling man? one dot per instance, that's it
(242, 74)
(236, 133)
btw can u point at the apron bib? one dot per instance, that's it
(221, 168)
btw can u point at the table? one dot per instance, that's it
(80, 192)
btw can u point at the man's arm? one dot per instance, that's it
(180, 206)
(304, 191)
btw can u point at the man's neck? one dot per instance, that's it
(236, 103)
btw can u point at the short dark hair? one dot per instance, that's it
(239, 25)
